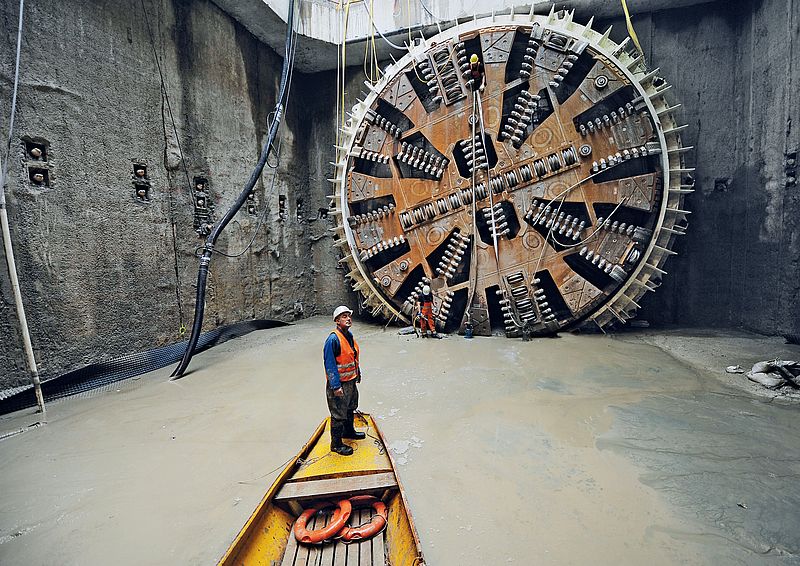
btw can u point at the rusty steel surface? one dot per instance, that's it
(549, 198)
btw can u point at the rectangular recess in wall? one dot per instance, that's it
(281, 208)
(39, 176)
(35, 150)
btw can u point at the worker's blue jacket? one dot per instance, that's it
(330, 352)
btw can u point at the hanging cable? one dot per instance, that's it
(599, 227)
(205, 260)
(13, 106)
(263, 215)
(488, 181)
(338, 85)
(562, 196)
(173, 222)
(434, 16)
(501, 280)
(370, 53)
(470, 11)
(473, 264)
(7, 244)
(386, 39)
(166, 97)
(341, 78)
(377, 65)
(411, 42)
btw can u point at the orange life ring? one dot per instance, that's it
(370, 529)
(339, 520)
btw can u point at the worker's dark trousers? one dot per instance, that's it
(341, 409)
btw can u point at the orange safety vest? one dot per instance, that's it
(347, 360)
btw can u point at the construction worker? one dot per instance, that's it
(425, 313)
(477, 76)
(342, 373)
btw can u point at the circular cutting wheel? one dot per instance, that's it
(548, 198)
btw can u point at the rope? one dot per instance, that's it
(590, 236)
(631, 31)
(377, 441)
(563, 195)
(370, 53)
(269, 472)
(411, 41)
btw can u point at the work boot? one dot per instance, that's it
(342, 449)
(336, 441)
(350, 431)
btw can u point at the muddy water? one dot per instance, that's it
(572, 450)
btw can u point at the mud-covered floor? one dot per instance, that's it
(630, 449)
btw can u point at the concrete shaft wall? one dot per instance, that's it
(734, 69)
(97, 265)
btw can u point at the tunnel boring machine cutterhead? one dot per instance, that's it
(547, 198)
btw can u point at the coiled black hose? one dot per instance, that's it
(208, 249)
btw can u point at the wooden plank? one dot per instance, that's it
(308, 555)
(304, 556)
(372, 550)
(292, 548)
(324, 553)
(340, 554)
(336, 486)
(379, 549)
(314, 556)
(365, 547)
(366, 553)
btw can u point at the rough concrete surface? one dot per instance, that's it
(733, 69)
(714, 350)
(98, 268)
(101, 273)
(571, 450)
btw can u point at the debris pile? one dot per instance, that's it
(775, 374)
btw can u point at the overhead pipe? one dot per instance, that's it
(208, 248)
(7, 245)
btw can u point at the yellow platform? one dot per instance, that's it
(316, 474)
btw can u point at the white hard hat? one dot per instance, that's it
(339, 310)
(426, 290)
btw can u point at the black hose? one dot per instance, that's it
(208, 249)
